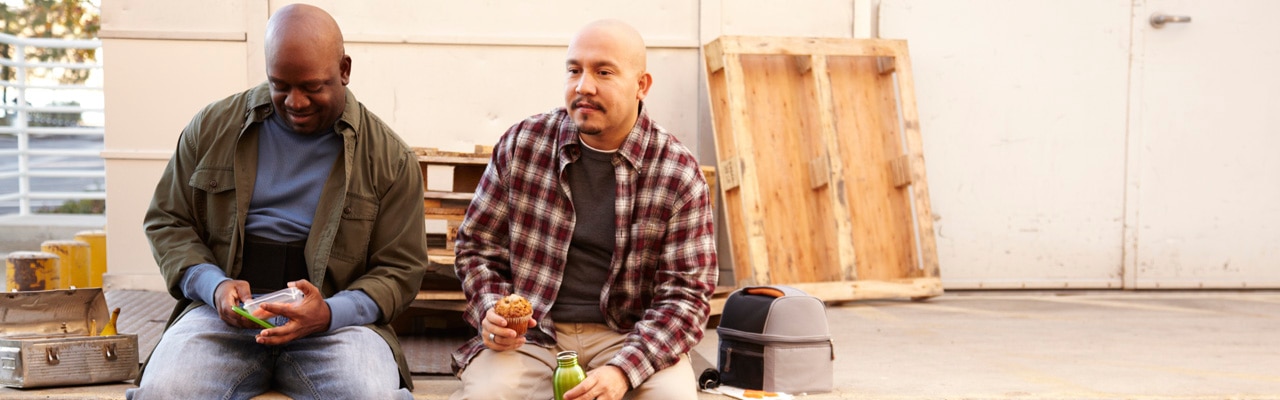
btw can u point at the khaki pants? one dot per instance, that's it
(526, 373)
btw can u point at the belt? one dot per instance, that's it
(269, 265)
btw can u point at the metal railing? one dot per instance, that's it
(20, 114)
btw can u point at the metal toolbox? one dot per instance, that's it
(45, 340)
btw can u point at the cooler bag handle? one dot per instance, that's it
(765, 291)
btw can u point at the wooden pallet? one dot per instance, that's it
(451, 205)
(821, 166)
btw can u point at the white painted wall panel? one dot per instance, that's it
(176, 16)
(818, 18)
(1023, 116)
(673, 100)
(455, 97)
(662, 22)
(130, 184)
(154, 87)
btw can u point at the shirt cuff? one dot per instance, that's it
(200, 282)
(351, 307)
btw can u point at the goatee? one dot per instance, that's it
(588, 131)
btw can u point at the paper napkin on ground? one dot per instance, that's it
(747, 394)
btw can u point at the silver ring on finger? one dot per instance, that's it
(492, 338)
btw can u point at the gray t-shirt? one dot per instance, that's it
(594, 189)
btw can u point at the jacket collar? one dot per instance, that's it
(259, 108)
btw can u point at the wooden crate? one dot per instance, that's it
(451, 205)
(821, 167)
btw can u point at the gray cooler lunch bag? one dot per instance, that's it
(775, 338)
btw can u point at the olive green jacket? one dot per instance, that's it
(367, 233)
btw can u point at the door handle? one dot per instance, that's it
(1158, 20)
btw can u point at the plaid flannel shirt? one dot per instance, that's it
(515, 238)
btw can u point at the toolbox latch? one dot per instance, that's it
(51, 355)
(109, 351)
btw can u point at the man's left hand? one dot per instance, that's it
(309, 316)
(604, 383)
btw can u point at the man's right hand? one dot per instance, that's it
(230, 294)
(502, 338)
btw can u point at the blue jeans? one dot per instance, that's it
(201, 357)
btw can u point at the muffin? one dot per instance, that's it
(516, 310)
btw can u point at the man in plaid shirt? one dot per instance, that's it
(602, 220)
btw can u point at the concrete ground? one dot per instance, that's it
(1017, 345)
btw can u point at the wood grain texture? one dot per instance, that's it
(829, 187)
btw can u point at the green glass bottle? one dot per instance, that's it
(568, 373)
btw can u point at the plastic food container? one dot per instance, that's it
(290, 296)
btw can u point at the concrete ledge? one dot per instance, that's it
(26, 232)
(151, 282)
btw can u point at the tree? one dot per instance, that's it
(63, 19)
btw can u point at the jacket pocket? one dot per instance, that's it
(215, 197)
(356, 229)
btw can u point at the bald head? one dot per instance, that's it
(624, 40)
(307, 67)
(304, 25)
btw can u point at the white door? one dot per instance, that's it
(1204, 176)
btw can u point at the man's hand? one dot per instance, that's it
(502, 338)
(604, 383)
(310, 316)
(230, 294)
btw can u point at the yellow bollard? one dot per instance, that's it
(97, 241)
(73, 261)
(31, 270)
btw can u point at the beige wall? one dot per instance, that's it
(1048, 127)
(448, 75)
(1023, 121)
(163, 61)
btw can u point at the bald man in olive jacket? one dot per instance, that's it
(292, 183)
